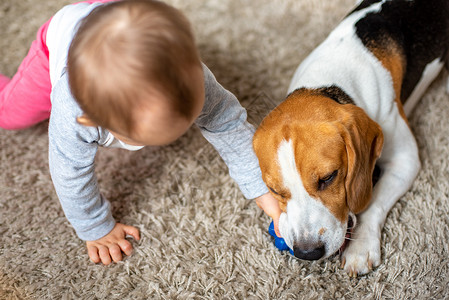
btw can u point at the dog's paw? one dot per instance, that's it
(361, 256)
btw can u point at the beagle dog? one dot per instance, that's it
(345, 113)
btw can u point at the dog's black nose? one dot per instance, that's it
(314, 253)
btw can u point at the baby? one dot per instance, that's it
(122, 74)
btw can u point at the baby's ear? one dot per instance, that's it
(85, 121)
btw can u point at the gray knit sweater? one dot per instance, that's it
(72, 147)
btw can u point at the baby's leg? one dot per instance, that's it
(25, 99)
(3, 81)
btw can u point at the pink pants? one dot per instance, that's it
(25, 99)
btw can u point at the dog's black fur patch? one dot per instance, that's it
(335, 93)
(332, 92)
(419, 27)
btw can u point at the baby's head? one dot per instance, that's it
(134, 69)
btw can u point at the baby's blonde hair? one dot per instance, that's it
(125, 50)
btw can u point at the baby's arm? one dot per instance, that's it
(72, 150)
(223, 123)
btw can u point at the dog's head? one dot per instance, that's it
(317, 158)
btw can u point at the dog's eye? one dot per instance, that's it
(327, 180)
(284, 194)
(274, 192)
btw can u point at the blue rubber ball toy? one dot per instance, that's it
(278, 241)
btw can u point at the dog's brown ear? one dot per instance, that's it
(364, 141)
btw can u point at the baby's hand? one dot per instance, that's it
(112, 244)
(271, 207)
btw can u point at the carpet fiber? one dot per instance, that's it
(200, 238)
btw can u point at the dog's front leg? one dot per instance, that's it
(400, 165)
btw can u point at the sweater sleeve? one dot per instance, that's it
(223, 123)
(72, 150)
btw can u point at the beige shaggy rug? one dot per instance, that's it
(200, 238)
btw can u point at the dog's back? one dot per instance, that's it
(419, 29)
(409, 37)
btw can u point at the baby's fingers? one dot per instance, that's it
(104, 255)
(132, 231)
(115, 252)
(92, 251)
(126, 247)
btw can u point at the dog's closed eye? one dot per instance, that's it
(281, 193)
(272, 190)
(327, 180)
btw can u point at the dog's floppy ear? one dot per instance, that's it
(364, 141)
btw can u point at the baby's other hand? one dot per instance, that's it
(110, 247)
(270, 206)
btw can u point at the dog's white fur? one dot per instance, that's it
(361, 75)
(305, 212)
